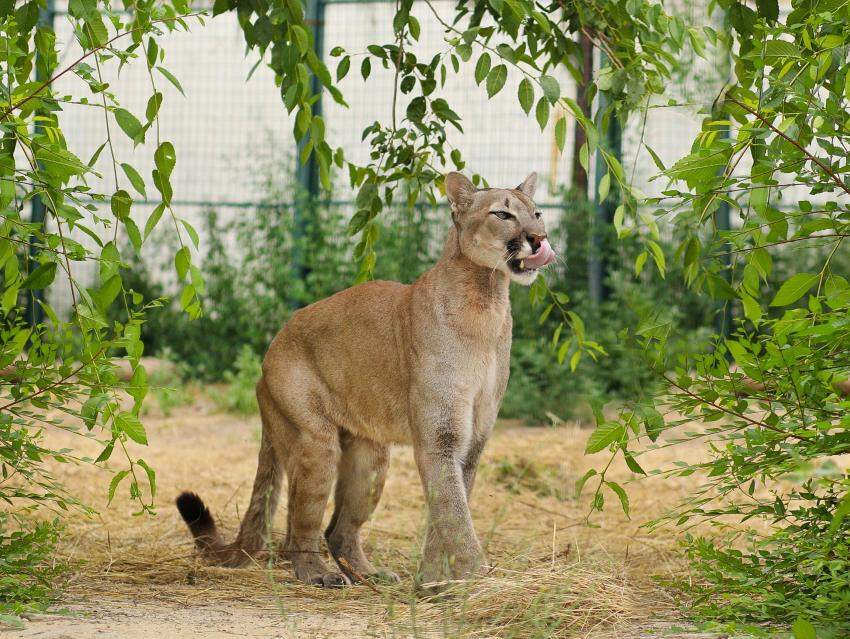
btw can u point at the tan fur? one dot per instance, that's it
(381, 364)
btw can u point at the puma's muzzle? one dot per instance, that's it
(543, 255)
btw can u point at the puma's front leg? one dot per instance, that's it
(452, 550)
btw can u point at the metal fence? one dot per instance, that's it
(233, 137)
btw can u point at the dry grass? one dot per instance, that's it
(553, 576)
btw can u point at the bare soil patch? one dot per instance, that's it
(553, 575)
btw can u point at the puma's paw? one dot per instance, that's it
(330, 580)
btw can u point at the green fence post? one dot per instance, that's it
(602, 232)
(307, 174)
(723, 319)
(35, 315)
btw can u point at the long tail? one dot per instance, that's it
(202, 526)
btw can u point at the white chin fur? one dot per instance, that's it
(526, 278)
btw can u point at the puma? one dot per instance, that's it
(380, 364)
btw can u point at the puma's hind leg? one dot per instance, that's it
(312, 455)
(255, 529)
(360, 482)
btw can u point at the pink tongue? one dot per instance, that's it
(544, 255)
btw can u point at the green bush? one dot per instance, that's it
(240, 397)
(29, 571)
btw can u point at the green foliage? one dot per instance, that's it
(775, 421)
(241, 396)
(57, 367)
(28, 570)
(168, 383)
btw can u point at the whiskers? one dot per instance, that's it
(507, 257)
(560, 259)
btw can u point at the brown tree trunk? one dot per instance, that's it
(579, 177)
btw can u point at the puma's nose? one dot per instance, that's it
(535, 241)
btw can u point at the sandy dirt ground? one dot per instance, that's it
(139, 577)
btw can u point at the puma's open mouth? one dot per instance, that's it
(542, 257)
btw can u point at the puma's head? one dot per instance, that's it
(500, 228)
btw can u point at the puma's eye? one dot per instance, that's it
(538, 215)
(503, 215)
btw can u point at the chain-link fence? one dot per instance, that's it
(232, 136)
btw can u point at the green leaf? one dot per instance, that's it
(151, 476)
(803, 629)
(120, 204)
(496, 80)
(482, 68)
(413, 25)
(114, 483)
(561, 134)
(7, 192)
(366, 68)
(762, 261)
(581, 481)
(163, 185)
(604, 187)
(192, 233)
(604, 434)
(186, 296)
(752, 309)
(542, 112)
(134, 234)
(109, 290)
(357, 222)
(526, 95)
(128, 122)
(153, 106)
(94, 157)
(197, 279)
(342, 69)
(769, 10)
(701, 166)
(794, 288)
(631, 462)
(135, 179)
(153, 219)
(92, 314)
(542, 21)
(182, 261)
(130, 424)
(41, 277)
(297, 10)
(624, 498)
(171, 79)
(562, 352)
(165, 158)
(415, 112)
(840, 514)
(60, 162)
(96, 31)
(777, 51)
(551, 88)
(655, 158)
(105, 455)
(720, 289)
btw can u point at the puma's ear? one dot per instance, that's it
(458, 188)
(529, 185)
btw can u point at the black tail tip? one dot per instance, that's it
(193, 510)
